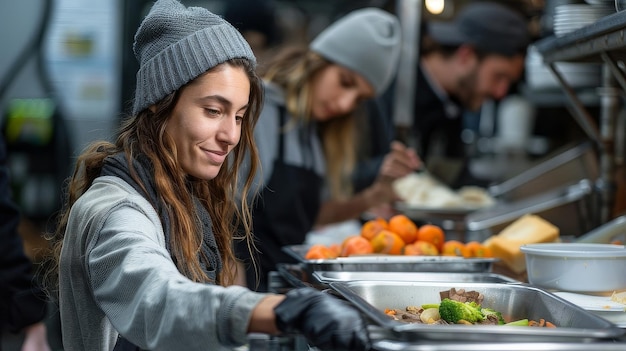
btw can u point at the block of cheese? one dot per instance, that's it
(528, 229)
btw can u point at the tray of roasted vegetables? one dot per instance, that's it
(473, 311)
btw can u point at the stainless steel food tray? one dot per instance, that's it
(423, 212)
(392, 345)
(515, 301)
(329, 277)
(391, 263)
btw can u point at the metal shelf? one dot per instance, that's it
(603, 41)
(556, 97)
(588, 43)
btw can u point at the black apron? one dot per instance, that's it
(284, 214)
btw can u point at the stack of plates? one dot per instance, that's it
(577, 74)
(606, 3)
(570, 17)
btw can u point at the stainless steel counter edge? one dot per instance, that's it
(391, 345)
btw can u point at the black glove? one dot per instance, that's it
(326, 321)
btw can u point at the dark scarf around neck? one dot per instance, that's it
(117, 166)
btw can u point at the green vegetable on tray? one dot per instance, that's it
(491, 312)
(460, 307)
(520, 323)
(453, 311)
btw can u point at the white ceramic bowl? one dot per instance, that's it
(576, 267)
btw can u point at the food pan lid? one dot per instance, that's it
(583, 250)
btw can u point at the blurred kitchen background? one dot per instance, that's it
(67, 73)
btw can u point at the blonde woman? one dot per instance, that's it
(306, 135)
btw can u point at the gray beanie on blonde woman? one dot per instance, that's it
(175, 44)
(366, 41)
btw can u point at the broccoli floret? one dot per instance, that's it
(452, 311)
(521, 322)
(488, 311)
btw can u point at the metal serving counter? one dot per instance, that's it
(293, 276)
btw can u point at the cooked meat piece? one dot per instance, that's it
(411, 318)
(406, 316)
(491, 320)
(462, 296)
(414, 309)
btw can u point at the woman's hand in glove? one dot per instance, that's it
(327, 322)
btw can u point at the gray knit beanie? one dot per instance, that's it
(175, 44)
(366, 41)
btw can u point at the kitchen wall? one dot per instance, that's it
(80, 58)
(64, 54)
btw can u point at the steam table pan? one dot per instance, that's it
(329, 277)
(392, 345)
(514, 301)
(422, 212)
(390, 263)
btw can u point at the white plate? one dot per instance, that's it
(602, 306)
(592, 302)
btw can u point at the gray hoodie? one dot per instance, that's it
(117, 276)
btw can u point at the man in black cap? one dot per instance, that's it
(463, 63)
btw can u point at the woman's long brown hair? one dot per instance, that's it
(145, 134)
